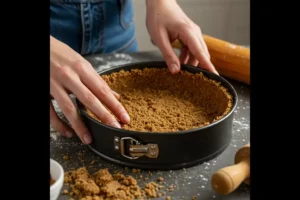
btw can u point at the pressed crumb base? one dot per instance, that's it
(158, 101)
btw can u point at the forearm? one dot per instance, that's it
(153, 3)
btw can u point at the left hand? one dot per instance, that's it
(166, 22)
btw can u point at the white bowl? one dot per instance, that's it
(57, 174)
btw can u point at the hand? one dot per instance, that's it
(71, 73)
(166, 22)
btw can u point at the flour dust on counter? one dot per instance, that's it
(111, 61)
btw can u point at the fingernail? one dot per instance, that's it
(216, 72)
(125, 118)
(116, 94)
(69, 134)
(87, 139)
(115, 124)
(173, 68)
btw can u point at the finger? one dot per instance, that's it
(103, 82)
(193, 61)
(92, 103)
(204, 46)
(200, 37)
(198, 51)
(115, 94)
(101, 90)
(184, 55)
(58, 124)
(163, 43)
(70, 112)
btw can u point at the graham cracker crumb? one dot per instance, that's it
(158, 101)
(171, 188)
(104, 185)
(136, 170)
(160, 179)
(92, 198)
(65, 192)
(52, 181)
(168, 198)
(150, 190)
(66, 157)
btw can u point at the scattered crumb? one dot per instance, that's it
(160, 179)
(65, 192)
(151, 189)
(66, 157)
(92, 163)
(104, 185)
(168, 198)
(52, 181)
(136, 170)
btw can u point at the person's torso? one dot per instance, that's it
(94, 26)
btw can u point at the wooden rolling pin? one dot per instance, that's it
(227, 179)
(230, 60)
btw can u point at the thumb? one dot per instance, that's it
(164, 44)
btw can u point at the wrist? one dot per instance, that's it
(53, 40)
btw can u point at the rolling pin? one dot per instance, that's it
(230, 60)
(227, 179)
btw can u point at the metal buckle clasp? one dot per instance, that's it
(136, 149)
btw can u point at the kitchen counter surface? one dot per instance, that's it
(190, 182)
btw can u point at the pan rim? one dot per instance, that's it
(211, 75)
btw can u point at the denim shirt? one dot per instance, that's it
(94, 26)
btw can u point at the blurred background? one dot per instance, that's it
(224, 19)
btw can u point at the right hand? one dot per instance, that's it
(71, 73)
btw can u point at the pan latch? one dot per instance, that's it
(133, 149)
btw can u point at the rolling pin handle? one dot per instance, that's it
(229, 178)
